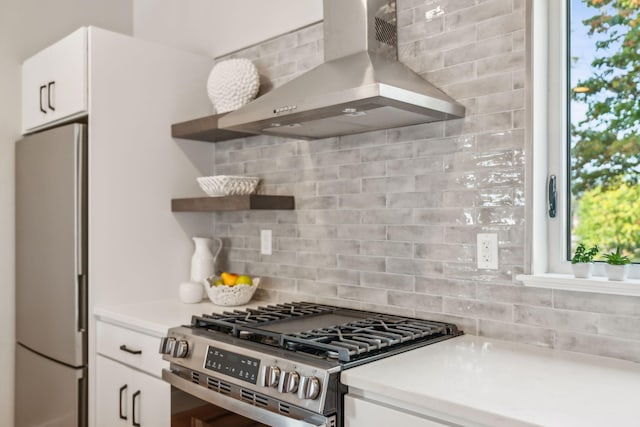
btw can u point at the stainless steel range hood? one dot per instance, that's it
(360, 87)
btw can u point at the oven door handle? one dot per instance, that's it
(241, 408)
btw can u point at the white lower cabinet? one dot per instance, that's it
(129, 390)
(126, 397)
(362, 413)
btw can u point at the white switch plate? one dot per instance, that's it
(265, 242)
(487, 251)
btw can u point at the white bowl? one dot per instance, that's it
(228, 185)
(232, 295)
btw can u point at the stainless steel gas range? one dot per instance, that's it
(280, 365)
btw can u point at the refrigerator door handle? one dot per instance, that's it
(82, 303)
(81, 198)
(80, 179)
(83, 417)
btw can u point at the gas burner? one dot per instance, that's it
(325, 331)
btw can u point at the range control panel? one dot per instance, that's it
(305, 383)
(232, 364)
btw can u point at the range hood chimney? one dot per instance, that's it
(360, 87)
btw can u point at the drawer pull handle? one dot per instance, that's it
(122, 417)
(133, 402)
(50, 94)
(123, 347)
(43, 87)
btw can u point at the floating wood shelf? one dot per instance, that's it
(232, 203)
(204, 129)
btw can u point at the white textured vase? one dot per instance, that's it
(232, 83)
(582, 270)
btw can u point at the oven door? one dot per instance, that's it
(193, 405)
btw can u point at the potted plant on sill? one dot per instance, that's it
(617, 265)
(582, 261)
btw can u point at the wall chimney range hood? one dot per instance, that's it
(360, 87)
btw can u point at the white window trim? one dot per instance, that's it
(546, 148)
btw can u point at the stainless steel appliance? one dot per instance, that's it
(51, 278)
(280, 365)
(360, 87)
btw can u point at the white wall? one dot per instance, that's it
(27, 26)
(217, 27)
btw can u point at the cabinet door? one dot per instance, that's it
(54, 82)
(361, 413)
(113, 393)
(150, 401)
(127, 397)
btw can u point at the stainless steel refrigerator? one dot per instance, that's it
(51, 278)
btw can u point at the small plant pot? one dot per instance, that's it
(617, 272)
(582, 270)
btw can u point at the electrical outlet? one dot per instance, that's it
(487, 251)
(265, 242)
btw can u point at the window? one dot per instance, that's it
(586, 54)
(604, 125)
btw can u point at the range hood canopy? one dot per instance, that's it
(360, 87)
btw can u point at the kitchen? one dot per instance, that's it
(334, 179)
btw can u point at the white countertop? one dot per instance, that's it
(498, 383)
(156, 317)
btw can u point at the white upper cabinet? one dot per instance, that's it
(54, 83)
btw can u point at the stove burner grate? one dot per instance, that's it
(309, 328)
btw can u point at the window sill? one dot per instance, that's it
(569, 283)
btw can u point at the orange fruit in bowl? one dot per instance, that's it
(229, 279)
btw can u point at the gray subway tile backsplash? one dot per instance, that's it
(387, 220)
(543, 337)
(601, 345)
(503, 24)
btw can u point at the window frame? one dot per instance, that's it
(558, 133)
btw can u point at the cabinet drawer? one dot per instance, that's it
(121, 343)
(54, 82)
(361, 413)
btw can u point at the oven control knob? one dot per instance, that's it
(309, 388)
(288, 382)
(181, 349)
(271, 376)
(166, 345)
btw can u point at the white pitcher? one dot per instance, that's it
(203, 262)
